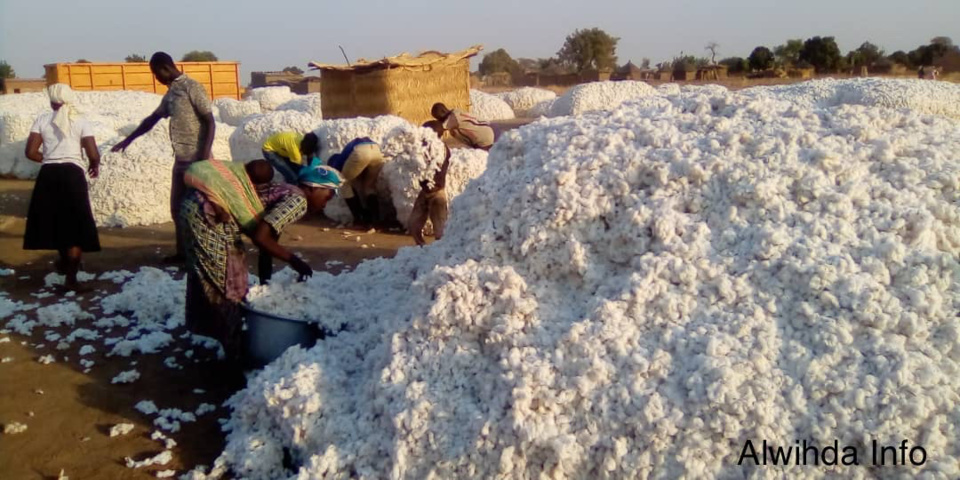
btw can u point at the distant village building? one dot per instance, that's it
(307, 86)
(273, 79)
(633, 72)
(22, 85)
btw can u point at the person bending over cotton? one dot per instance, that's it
(286, 151)
(220, 204)
(360, 164)
(192, 130)
(59, 217)
(463, 127)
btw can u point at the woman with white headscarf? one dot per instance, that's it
(60, 217)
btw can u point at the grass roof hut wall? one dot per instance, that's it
(403, 85)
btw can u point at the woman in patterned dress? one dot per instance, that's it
(214, 215)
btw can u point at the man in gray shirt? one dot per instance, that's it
(192, 129)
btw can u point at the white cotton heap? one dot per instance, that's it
(232, 112)
(270, 97)
(134, 186)
(108, 112)
(938, 98)
(246, 142)
(636, 293)
(309, 104)
(417, 152)
(487, 107)
(403, 177)
(523, 100)
(599, 96)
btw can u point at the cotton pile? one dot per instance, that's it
(304, 103)
(412, 153)
(940, 98)
(232, 112)
(598, 96)
(134, 186)
(108, 112)
(523, 100)
(488, 107)
(634, 294)
(246, 142)
(270, 97)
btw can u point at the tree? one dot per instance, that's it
(6, 71)
(552, 66)
(788, 54)
(761, 58)
(900, 57)
(870, 53)
(946, 42)
(199, 56)
(589, 49)
(528, 64)
(736, 64)
(134, 58)
(712, 48)
(83, 60)
(684, 63)
(645, 63)
(499, 61)
(294, 70)
(823, 53)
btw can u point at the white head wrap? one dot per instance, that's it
(62, 94)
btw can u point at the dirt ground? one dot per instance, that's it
(68, 423)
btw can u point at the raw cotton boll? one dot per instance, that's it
(304, 103)
(134, 186)
(246, 142)
(523, 100)
(270, 97)
(232, 112)
(597, 96)
(635, 293)
(152, 297)
(488, 107)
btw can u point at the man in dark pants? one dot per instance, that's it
(192, 129)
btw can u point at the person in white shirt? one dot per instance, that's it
(60, 217)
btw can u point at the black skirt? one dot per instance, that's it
(60, 216)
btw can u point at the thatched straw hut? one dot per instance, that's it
(403, 85)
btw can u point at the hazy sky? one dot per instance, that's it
(272, 34)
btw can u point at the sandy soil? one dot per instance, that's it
(69, 421)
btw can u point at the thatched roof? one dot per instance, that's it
(404, 60)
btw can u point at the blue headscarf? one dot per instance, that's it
(317, 175)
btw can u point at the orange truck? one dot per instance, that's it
(220, 79)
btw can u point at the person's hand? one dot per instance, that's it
(121, 146)
(221, 214)
(94, 169)
(301, 267)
